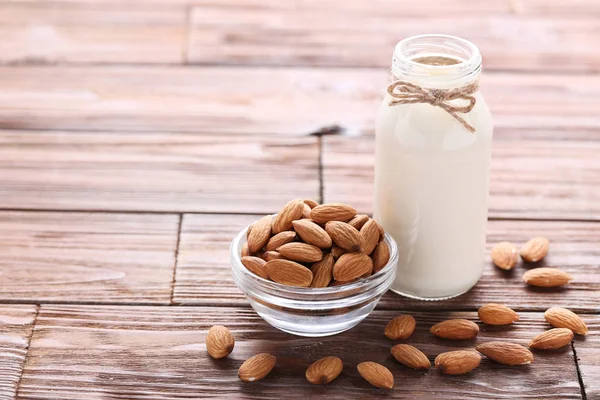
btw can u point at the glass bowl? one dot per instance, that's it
(309, 311)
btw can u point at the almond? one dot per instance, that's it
(324, 370)
(457, 362)
(381, 256)
(351, 266)
(338, 283)
(358, 221)
(219, 341)
(506, 353)
(401, 327)
(535, 249)
(280, 239)
(546, 277)
(344, 236)
(301, 252)
(370, 234)
(497, 314)
(552, 339)
(312, 233)
(322, 272)
(306, 211)
(455, 329)
(337, 252)
(259, 234)
(256, 367)
(256, 266)
(272, 255)
(505, 255)
(410, 356)
(376, 374)
(289, 273)
(332, 212)
(562, 318)
(310, 203)
(245, 250)
(290, 212)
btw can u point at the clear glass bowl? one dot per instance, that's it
(312, 312)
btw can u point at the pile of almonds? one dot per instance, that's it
(312, 245)
(220, 343)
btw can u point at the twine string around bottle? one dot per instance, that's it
(404, 92)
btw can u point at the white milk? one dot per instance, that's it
(431, 177)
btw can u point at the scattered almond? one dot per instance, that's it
(562, 318)
(552, 339)
(457, 362)
(506, 353)
(497, 314)
(410, 356)
(400, 327)
(301, 252)
(345, 236)
(505, 255)
(358, 221)
(272, 255)
(322, 272)
(289, 273)
(219, 341)
(376, 374)
(256, 266)
(312, 233)
(546, 277)
(310, 203)
(455, 329)
(370, 234)
(280, 239)
(256, 367)
(337, 251)
(290, 212)
(332, 212)
(324, 370)
(535, 249)
(381, 256)
(351, 266)
(260, 234)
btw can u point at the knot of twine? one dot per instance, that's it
(408, 93)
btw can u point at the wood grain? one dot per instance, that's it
(279, 101)
(364, 34)
(159, 353)
(547, 179)
(588, 355)
(155, 172)
(16, 323)
(203, 273)
(82, 257)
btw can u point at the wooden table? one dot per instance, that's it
(136, 138)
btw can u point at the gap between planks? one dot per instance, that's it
(29, 338)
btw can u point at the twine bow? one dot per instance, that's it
(408, 93)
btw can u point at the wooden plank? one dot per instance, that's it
(16, 323)
(362, 34)
(81, 257)
(203, 275)
(588, 356)
(50, 33)
(529, 178)
(159, 352)
(554, 8)
(294, 101)
(155, 172)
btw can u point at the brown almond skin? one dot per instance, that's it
(301, 252)
(312, 233)
(272, 255)
(376, 374)
(358, 221)
(280, 239)
(497, 314)
(455, 329)
(506, 353)
(381, 256)
(400, 327)
(546, 277)
(306, 212)
(351, 266)
(410, 356)
(337, 252)
(370, 234)
(245, 250)
(259, 234)
(256, 367)
(505, 255)
(289, 273)
(290, 212)
(552, 339)
(256, 266)
(560, 317)
(535, 249)
(457, 362)
(332, 212)
(322, 272)
(311, 203)
(219, 341)
(345, 236)
(324, 370)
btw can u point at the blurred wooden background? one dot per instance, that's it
(136, 138)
